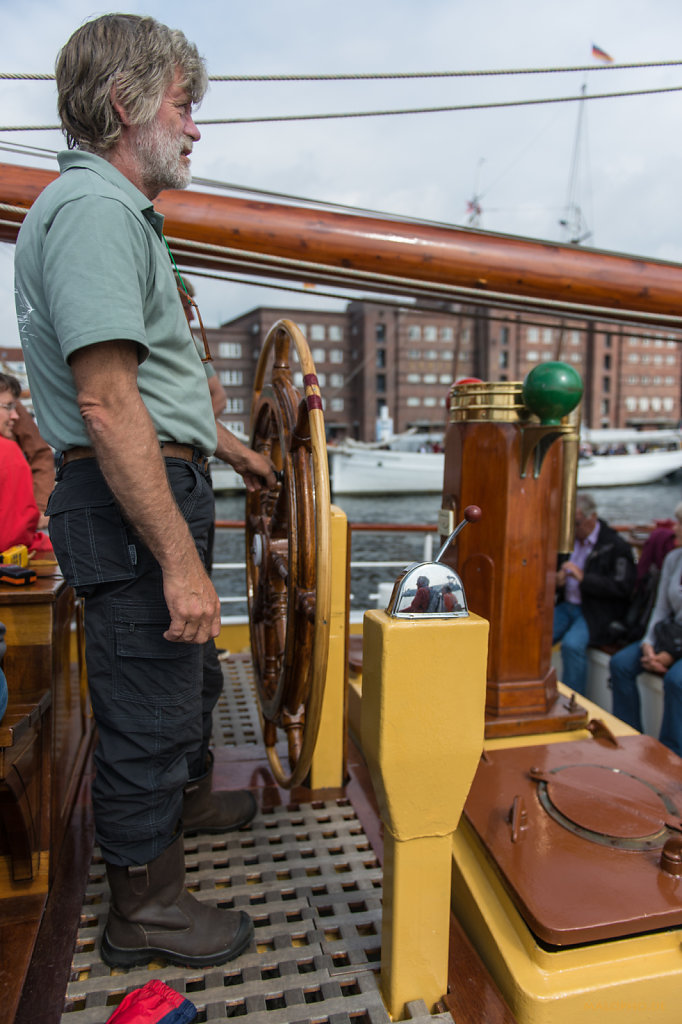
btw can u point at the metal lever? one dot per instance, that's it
(472, 514)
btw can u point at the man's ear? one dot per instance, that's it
(118, 106)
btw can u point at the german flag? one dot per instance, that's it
(600, 54)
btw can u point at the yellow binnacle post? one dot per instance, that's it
(423, 711)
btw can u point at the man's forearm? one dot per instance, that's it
(254, 467)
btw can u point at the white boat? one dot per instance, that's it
(360, 470)
(620, 458)
(616, 461)
(224, 478)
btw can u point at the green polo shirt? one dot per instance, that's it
(91, 266)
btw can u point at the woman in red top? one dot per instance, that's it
(18, 510)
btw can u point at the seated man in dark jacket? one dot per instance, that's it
(596, 585)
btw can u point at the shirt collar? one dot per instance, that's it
(591, 539)
(79, 158)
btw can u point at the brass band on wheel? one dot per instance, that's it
(288, 556)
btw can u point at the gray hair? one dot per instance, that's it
(586, 504)
(678, 511)
(139, 57)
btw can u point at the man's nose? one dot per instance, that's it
(191, 128)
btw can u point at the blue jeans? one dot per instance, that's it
(146, 692)
(625, 667)
(570, 627)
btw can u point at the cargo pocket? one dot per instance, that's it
(150, 672)
(88, 534)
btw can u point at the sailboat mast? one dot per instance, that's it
(575, 228)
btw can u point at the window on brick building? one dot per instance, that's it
(229, 350)
(231, 378)
(234, 426)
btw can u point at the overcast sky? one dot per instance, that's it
(517, 160)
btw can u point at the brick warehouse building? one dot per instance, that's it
(388, 354)
(393, 355)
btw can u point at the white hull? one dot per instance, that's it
(628, 470)
(380, 471)
(383, 471)
(224, 478)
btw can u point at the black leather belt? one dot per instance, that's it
(169, 450)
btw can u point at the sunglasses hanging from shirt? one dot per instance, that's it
(187, 298)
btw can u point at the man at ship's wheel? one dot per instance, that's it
(119, 389)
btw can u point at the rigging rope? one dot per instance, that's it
(384, 75)
(390, 113)
(439, 110)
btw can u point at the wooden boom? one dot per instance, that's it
(272, 239)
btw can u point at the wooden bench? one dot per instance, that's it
(24, 781)
(45, 737)
(598, 688)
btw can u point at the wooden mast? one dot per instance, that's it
(284, 240)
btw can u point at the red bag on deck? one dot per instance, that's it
(154, 1003)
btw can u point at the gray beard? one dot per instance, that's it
(160, 159)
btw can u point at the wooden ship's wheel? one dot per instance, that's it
(288, 556)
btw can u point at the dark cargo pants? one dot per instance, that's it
(146, 692)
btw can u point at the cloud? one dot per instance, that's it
(429, 165)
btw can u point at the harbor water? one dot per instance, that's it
(618, 505)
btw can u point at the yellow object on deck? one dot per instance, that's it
(423, 706)
(16, 555)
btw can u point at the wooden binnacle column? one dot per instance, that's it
(501, 457)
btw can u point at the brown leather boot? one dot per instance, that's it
(152, 916)
(222, 811)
